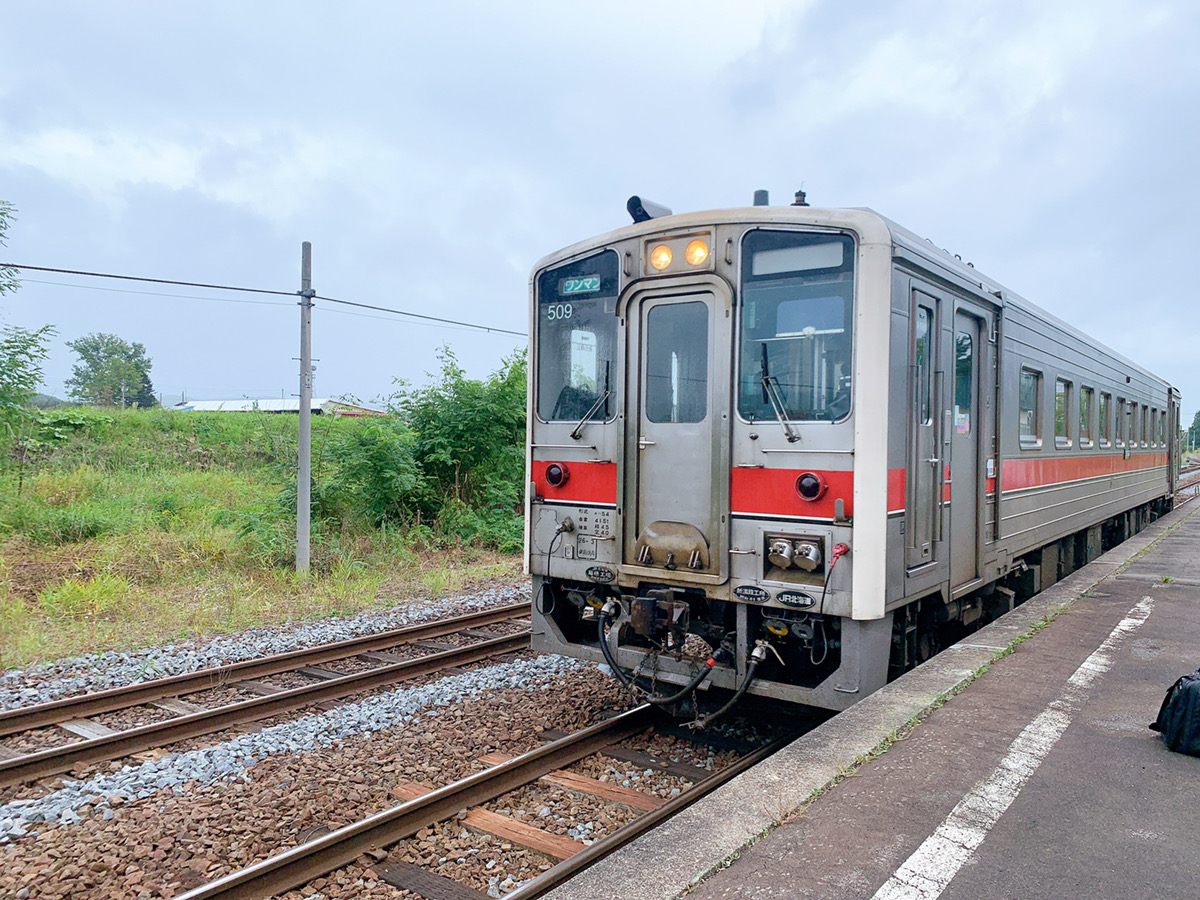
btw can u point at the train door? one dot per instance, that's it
(923, 518)
(677, 443)
(966, 426)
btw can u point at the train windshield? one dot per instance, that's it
(797, 313)
(576, 332)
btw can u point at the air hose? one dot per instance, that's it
(757, 655)
(631, 682)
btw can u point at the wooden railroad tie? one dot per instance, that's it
(582, 784)
(507, 828)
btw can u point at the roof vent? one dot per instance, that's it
(761, 198)
(801, 199)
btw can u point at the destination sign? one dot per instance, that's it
(583, 284)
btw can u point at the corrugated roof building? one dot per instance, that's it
(320, 407)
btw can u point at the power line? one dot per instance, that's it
(199, 284)
(93, 287)
(226, 287)
(413, 315)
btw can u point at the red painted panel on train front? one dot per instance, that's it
(589, 483)
(772, 492)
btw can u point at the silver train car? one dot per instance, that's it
(791, 452)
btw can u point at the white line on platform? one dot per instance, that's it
(928, 872)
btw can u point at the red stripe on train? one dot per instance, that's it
(587, 482)
(1039, 472)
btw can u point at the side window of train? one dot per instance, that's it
(1122, 422)
(1144, 432)
(1029, 407)
(1132, 434)
(1062, 413)
(1105, 419)
(1087, 411)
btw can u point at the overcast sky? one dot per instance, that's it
(433, 152)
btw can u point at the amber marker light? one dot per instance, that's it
(660, 257)
(696, 253)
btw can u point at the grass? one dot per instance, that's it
(133, 528)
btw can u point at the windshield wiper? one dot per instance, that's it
(771, 392)
(602, 400)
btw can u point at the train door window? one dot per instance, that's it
(1122, 422)
(1144, 432)
(1105, 420)
(677, 362)
(1029, 408)
(1163, 430)
(964, 369)
(1087, 411)
(1152, 435)
(924, 375)
(1062, 413)
(1131, 433)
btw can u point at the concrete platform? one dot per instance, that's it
(1031, 772)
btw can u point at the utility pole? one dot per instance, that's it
(304, 438)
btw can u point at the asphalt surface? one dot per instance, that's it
(1040, 779)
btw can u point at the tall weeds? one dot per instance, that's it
(123, 526)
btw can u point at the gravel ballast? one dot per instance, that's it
(231, 759)
(94, 672)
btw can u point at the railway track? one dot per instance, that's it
(425, 805)
(187, 720)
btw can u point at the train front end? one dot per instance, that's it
(708, 481)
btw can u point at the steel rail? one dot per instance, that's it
(590, 855)
(295, 867)
(61, 759)
(55, 711)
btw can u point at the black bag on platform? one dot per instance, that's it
(1178, 722)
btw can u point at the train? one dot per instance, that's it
(791, 452)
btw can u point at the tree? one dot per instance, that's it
(21, 355)
(111, 372)
(21, 351)
(8, 275)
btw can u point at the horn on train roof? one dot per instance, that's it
(643, 210)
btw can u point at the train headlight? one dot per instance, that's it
(660, 257)
(696, 253)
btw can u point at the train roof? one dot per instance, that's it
(871, 227)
